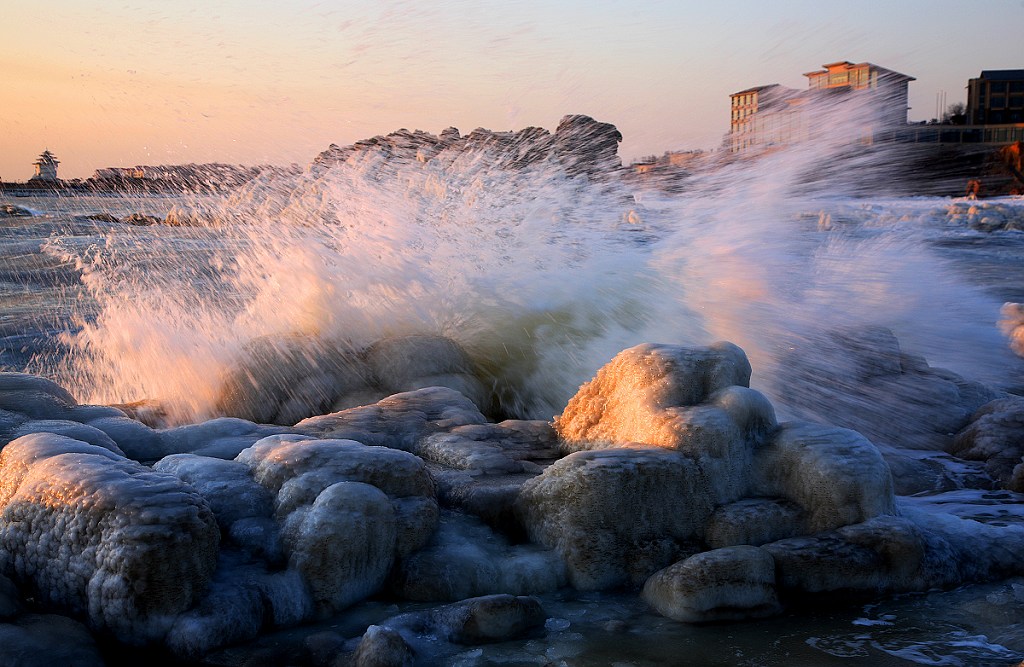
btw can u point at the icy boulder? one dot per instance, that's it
(617, 515)
(721, 585)
(672, 451)
(286, 379)
(87, 531)
(283, 380)
(398, 421)
(407, 363)
(634, 397)
(1012, 325)
(860, 378)
(467, 559)
(835, 475)
(693, 400)
(996, 436)
(429, 634)
(347, 510)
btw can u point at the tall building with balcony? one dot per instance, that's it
(996, 97)
(774, 115)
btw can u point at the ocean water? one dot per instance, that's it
(542, 277)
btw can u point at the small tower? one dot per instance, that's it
(46, 167)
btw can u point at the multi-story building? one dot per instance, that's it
(996, 97)
(46, 167)
(772, 115)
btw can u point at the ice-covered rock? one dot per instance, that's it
(347, 510)
(284, 380)
(673, 437)
(227, 486)
(407, 363)
(383, 647)
(834, 475)
(85, 530)
(727, 584)
(480, 620)
(287, 379)
(1011, 323)
(995, 436)
(398, 421)
(754, 521)
(467, 559)
(344, 544)
(617, 515)
(632, 398)
(35, 397)
(860, 378)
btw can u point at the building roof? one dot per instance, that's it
(848, 65)
(755, 89)
(1002, 74)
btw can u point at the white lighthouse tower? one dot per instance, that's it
(46, 167)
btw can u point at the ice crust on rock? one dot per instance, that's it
(467, 559)
(398, 421)
(1011, 323)
(860, 378)
(287, 379)
(727, 584)
(995, 436)
(631, 399)
(616, 515)
(103, 537)
(663, 437)
(347, 510)
(835, 475)
(480, 620)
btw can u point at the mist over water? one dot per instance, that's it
(540, 274)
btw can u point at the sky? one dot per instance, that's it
(127, 82)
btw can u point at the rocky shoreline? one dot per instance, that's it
(665, 476)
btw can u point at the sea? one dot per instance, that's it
(542, 277)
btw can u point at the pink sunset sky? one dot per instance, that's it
(150, 82)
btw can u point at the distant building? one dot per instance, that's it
(996, 97)
(46, 167)
(772, 115)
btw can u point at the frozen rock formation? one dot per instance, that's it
(579, 145)
(996, 437)
(721, 585)
(398, 421)
(860, 379)
(480, 620)
(284, 380)
(467, 559)
(677, 439)
(287, 379)
(1012, 325)
(88, 531)
(348, 510)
